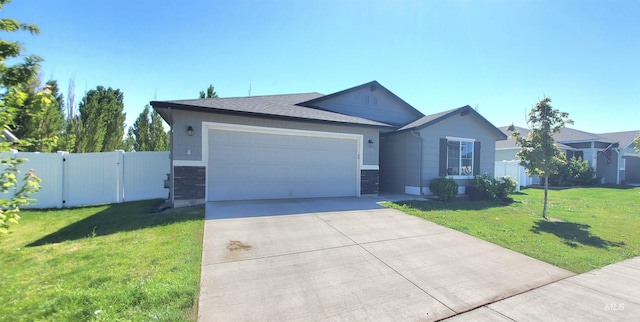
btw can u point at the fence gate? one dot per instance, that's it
(80, 179)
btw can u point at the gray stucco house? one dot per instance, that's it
(354, 142)
(612, 155)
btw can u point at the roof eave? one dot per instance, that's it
(585, 141)
(255, 114)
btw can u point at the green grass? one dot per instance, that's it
(590, 227)
(115, 262)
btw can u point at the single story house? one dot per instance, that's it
(612, 155)
(354, 142)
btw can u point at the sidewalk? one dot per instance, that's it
(611, 293)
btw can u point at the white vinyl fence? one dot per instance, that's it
(514, 170)
(71, 180)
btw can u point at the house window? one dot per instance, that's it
(459, 158)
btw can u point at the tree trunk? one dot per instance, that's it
(546, 194)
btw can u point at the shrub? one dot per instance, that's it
(506, 187)
(576, 172)
(445, 188)
(485, 187)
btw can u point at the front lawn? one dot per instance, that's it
(590, 227)
(105, 263)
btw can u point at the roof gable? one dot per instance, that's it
(371, 101)
(439, 117)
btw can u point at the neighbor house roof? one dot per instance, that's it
(566, 136)
(569, 135)
(284, 106)
(437, 117)
(624, 138)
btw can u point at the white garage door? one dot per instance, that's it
(245, 165)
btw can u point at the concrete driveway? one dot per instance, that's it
(350, 259)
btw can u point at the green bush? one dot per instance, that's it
(576, 172)
(445, 188)
(506, 187)
(485, 187)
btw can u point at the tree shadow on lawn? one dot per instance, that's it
(117, 218)
(572, 234)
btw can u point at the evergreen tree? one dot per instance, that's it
(101, 120)
(211, 93)
(159, 138)
(147, 135)
(141, 131)
(128, 145)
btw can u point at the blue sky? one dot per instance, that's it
(499, 56)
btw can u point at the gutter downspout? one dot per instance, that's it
(417, 135)
(171, 190)
(618, 159)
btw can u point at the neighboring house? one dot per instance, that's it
(610, 154)
(358, 141)
(625, 156)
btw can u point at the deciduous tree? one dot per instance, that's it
(11, 78)
(39, 116)
(539, 154)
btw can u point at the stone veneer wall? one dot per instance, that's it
(369, 182)
(189, 183)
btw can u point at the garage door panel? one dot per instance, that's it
(253, 165)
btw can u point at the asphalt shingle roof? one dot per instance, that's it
(566, 135)
(426, 119)
(271, 105)
(625, 138)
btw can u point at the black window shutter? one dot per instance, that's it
(443, 157)
(476, 158)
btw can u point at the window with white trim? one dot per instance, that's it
(459, 157)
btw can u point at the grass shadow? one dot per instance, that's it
(459, 204)
(117, 218)
(573, 234)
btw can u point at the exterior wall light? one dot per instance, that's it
(370, 143)
(189, 130)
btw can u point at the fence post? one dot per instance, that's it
(120, 175)
(65, 178)
(61, 160)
